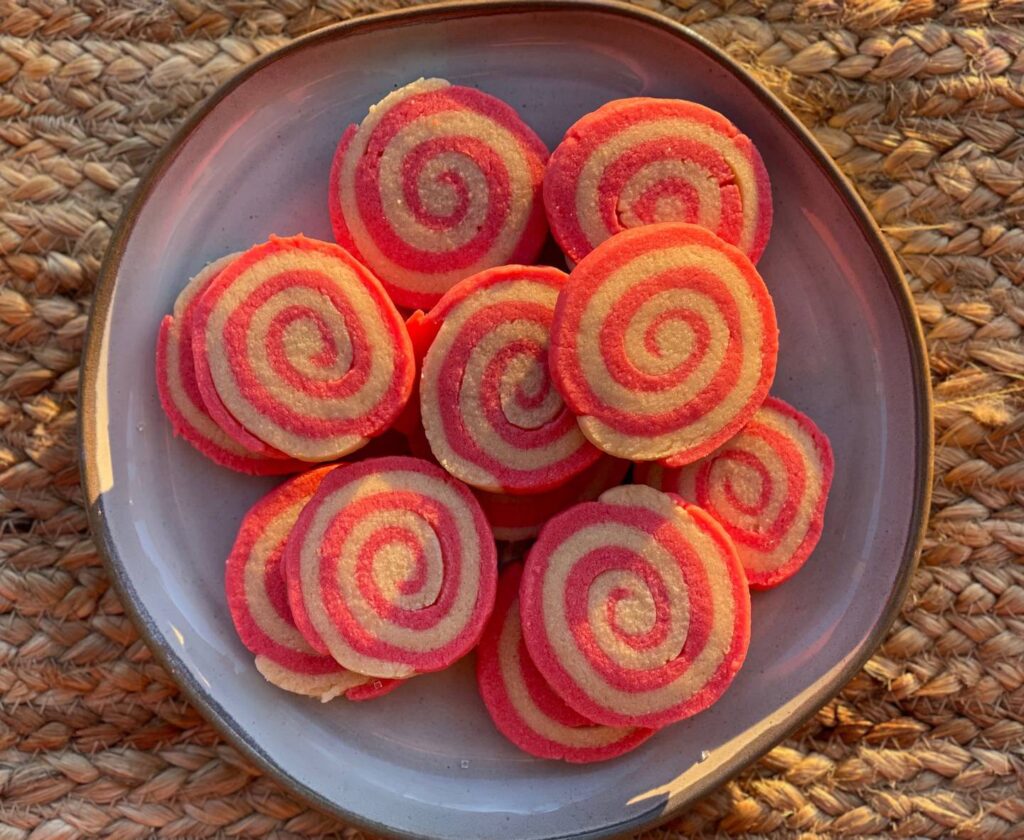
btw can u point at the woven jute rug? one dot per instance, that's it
(922, 105)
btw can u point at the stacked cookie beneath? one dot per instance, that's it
(605, 434)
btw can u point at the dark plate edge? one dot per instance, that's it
(216, 714)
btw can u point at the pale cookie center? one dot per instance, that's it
(527, 398)
(408, 569)
(744, 486)
(624, 616)
(670, 191)
(318, 349)
(445, 182)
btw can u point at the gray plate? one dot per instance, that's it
(426, 761)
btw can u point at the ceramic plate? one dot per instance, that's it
(426, 761)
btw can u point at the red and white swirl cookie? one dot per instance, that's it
(516, 518)
(437, 183)
(258, 602)
(643, 161)
(489, 410)
(302, 345)
(524, 707)
(767, 487)
(395, 565)
(664, 343)
(635, 608)
(182, 401)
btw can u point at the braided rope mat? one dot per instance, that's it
(921, 103)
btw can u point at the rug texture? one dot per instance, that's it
(922, 105)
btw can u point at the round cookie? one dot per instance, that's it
(517, 518)
(635, 608)
(767, 487)
(255, 587)
(303, 346)
(395, 565)
(664, 343)
(181, 398)
(643, 161)
(524, 707)
(437, 183)
(489, 410)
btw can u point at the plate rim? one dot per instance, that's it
(218, 717)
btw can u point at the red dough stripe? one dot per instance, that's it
(371, 690)
(524, 707)
(635, 608)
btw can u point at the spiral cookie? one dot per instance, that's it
(489, 410)
(303, 347)
(635, 608)
(179, 391)
(396, 566)
(523, 706)
(516, 518)
(643, 161)
(664, 343)
(258, 602)
(767, 487)
(437, 183)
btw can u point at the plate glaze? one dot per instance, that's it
(426, 761)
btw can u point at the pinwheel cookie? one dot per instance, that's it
(489, 410)
(395, 565)
(437, 183)
(664, 343)
(635, 608)
(767, 487)
(643, 161)
(301, 345)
